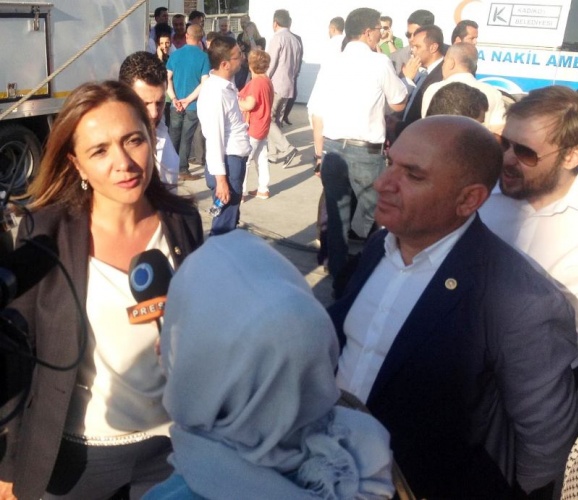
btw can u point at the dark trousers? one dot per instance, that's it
(181, 132)
(229, 217)
(100, 472)
(199, 147)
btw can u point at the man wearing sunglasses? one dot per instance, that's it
(535, 208)
(388, 43)
(416, 20)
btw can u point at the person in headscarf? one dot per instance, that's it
(250, 356)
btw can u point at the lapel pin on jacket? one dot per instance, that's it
(451, 284)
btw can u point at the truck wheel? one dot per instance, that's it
(15, 140)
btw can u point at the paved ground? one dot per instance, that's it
(288, 218)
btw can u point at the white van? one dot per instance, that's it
(526, 44)
(522, 44)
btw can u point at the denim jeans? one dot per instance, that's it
(228, 219)
(346, 170)
(181, 131)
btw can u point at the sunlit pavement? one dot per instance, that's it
(288, 219)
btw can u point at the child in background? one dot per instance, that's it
(255, 101)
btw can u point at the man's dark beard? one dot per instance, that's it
(537, 187)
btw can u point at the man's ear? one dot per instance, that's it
(470, 199)
(570, 160)
(433, 48)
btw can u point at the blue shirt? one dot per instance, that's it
(188, 65)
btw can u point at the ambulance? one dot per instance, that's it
(523, 44)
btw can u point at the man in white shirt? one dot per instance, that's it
(225, 131)
(349, 127)
(459, 65)
(451, 338)
(535, 208)
(333, 49)
(336, 35)
(147, 76)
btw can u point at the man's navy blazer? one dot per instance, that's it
(476, 390)
(414, 112)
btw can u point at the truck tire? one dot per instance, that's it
(13, 142)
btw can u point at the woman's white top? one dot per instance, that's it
(120, 382)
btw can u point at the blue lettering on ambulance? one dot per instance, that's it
(552, 61)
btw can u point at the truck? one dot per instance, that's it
(522, 45)
(49, 48)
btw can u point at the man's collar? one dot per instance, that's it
(436, 252)
(434, 64)
(357, 44)
(224, 82)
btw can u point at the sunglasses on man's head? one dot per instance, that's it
(524, 153)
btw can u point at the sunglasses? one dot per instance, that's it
(524, 154)
(408, 34)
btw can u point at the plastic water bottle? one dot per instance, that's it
(216, 208)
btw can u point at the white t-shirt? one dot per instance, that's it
(120, 383)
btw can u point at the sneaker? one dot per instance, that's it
(262, 195)
(289, 158)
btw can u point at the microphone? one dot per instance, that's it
(25, 267)
(149, 276)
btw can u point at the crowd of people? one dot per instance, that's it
(454, 329)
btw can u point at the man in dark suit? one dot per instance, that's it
(423, 68)
(416, 20)
(453, 340)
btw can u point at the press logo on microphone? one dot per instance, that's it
(146, 311)
(149, 276)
